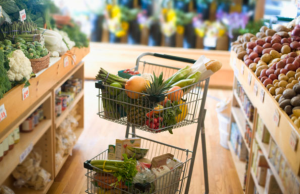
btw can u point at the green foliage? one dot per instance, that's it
(184, 18)
(252, 27)
(76, 35)
(5, 84)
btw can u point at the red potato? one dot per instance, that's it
(268, 39)
(280, 64)
(290, 40)
(245, 57)
(267, 45)
(273, 76)
(256, 60)
(277, 46)
(290, 67)
(260, 42)
(277, 71)
(288, 44)
(276, 36)
(263, 78)
(294, 45)
(296, 63)
(253, 55)
(251, 45)
(270, 71)
(292, 54)
(273, 67)
(284, 40)
(263, 73)
(267, 50)
(267, 81)
(258, 49)
(276, 40)
(290, 60)
(248, 62)
(284, 71)
(249, 51)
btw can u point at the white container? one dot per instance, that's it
(224, 125)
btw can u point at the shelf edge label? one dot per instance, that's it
(26, 152)
(22, 15)
(249, 78)
(276, 117)
(293, 140)
(255, 88)
(66, 61)
(3, 113)
(25, 93)
(242, 69)
(262, 95)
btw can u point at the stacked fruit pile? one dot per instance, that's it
(273, 55)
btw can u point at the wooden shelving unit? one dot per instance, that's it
(41, 92)
(266, 108)
(239, 165)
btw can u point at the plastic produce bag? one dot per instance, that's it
(223, 112)
(206, 67)
(6, 190)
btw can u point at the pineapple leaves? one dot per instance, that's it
(157, 86)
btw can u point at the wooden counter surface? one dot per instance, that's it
(114, 57)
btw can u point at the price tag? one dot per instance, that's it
(1, 15)
(22, 15)
(255, 88)
(26, 152)
(242, 69)
(234, 62)
(66, 61)
(262, 95)
(276, 117)
(210, 42)
(3, 114)
(74, 59)
(249, 78)
(25, 93)
(236, 72)
(293, 140)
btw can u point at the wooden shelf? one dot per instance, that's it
(240, 166)
(77, 132)
(267, 108)
(241, 123)
(12, 159)
(259, 188)
(242, 109)
(66, 112)
(32, 191)
(265, 147)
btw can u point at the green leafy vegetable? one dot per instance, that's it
(170, 114)
(5, 84)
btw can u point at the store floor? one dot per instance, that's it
(98, 133)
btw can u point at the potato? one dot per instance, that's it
(291, 79)
(266, 58)
(253, 39)
(297, 75)
(275, 54)
(296, 112)
(240, 55)
(285, 49)
(272, 90)
(270, 32)
(277, 97)
(275, 81)
(248, 62)
(260, 42)
(288, 109)
(283, 78)
(298, 70)
(258, 49)
(282, 83)
(251, 45)
(293, 118)
(294, 45)
(289, 93)
(256, 60)
(281, 99)
(283, 34)
(275, 40)
(277, 46)
(252, 66)
(276, 85)
(297, 122)
(263, 29)
(279, 91)
(246, 39)
(260, 35)
(296, 88)
(284, 103)
(291, 74)
(261, 63)
(280, 28)
(240, 39)
(259, 69)
(283, 56)
(267, 50)
(267, 45)
(290, 86)
(295, 101)
(253, 55)
(269, 86)
(268, 39)
(294, 82)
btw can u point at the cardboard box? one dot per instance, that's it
(271, 186)
(111, 152)
(262, 175)
(121, 145)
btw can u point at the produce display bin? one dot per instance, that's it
(133, 112)
(171, 182)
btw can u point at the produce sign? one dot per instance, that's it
(154, 103)
(273, 55)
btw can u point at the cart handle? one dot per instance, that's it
(171, 57)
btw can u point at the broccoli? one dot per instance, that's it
(7, 42)
(4, 81)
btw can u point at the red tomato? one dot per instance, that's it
(136, 72)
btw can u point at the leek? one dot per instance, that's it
(184, 82)
(195, 76)
(179, 75)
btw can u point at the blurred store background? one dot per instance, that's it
(203, 24)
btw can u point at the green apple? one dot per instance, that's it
(114, 91)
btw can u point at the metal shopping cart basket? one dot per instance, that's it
(116, 106)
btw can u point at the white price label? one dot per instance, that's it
(22, 15)
(276, 117)
(234, 61)
(210, 42)
(249, 78)
(293, 140)
(74, 59)
(262, 95)
(3, 114)
(242, 69)
(1, 15)
(25, 93)
(255, 88)
(236, 72)
(26, 152)
(66, 61)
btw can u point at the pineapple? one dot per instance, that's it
(157, 87)
(137, 114)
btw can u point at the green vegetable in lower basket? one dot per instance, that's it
(122, 170)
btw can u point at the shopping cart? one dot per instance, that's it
(116, 106)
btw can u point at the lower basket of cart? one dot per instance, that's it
(173, 181)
